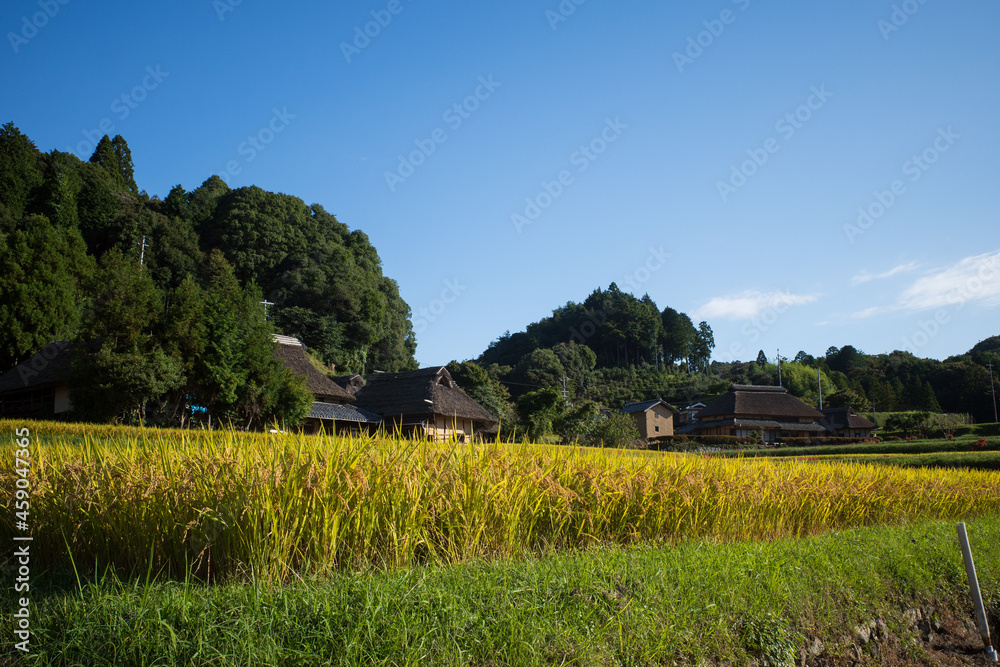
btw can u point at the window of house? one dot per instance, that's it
(657, 428)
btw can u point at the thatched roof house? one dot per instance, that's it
(847, 423)
(38, 387)
(424, 403)
(293, 355)
(331, 412)
(746, 409)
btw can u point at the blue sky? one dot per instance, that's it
(798, 174)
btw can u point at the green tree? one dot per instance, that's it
(119, 367)
(704, 343)
(41, 267)
(615, 430)
(20, 173)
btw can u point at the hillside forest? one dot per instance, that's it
(167, 296)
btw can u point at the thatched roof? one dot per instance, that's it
(752, 401)
(642, 406)
(845, 418)
(424, 392)
(293, 355)
(48, 366)
(349, 383)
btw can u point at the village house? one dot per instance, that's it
(747, 409)
(688, 415)
(846, 423)
(332, 411)
(654, 418)
(424, 403)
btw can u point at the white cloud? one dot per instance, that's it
(749, 304)
(865, 276)
(973, 279)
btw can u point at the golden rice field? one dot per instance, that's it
(276, 506)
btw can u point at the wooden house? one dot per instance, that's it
(39, 387)
(746, 409)
(332, 411)
(846, 423)
(688, 415)
(654, 419)
(425, 403)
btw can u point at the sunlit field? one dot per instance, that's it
(276, 506)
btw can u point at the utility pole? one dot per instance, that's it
(267, 312)
(777, 352)
(993, 392)
(142, 250)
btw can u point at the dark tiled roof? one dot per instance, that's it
(48, 366)
(426, 391)
(753, 401)
(642, 406)
(293, 356)
(841, 418)
(343, 413)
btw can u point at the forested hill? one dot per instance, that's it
(615, 347)
(620, 329)
(62, 221)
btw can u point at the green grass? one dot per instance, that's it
(688, 604)
(961, 460)
(967, 444)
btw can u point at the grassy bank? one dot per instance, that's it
(693, 603)
(968, 444)
(957, 460)
(224, 503)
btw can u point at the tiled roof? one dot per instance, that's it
(343, 413)
(642, 406)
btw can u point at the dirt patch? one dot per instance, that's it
(929, 636)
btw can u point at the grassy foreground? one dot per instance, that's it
(690, 604)
(277, 507)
